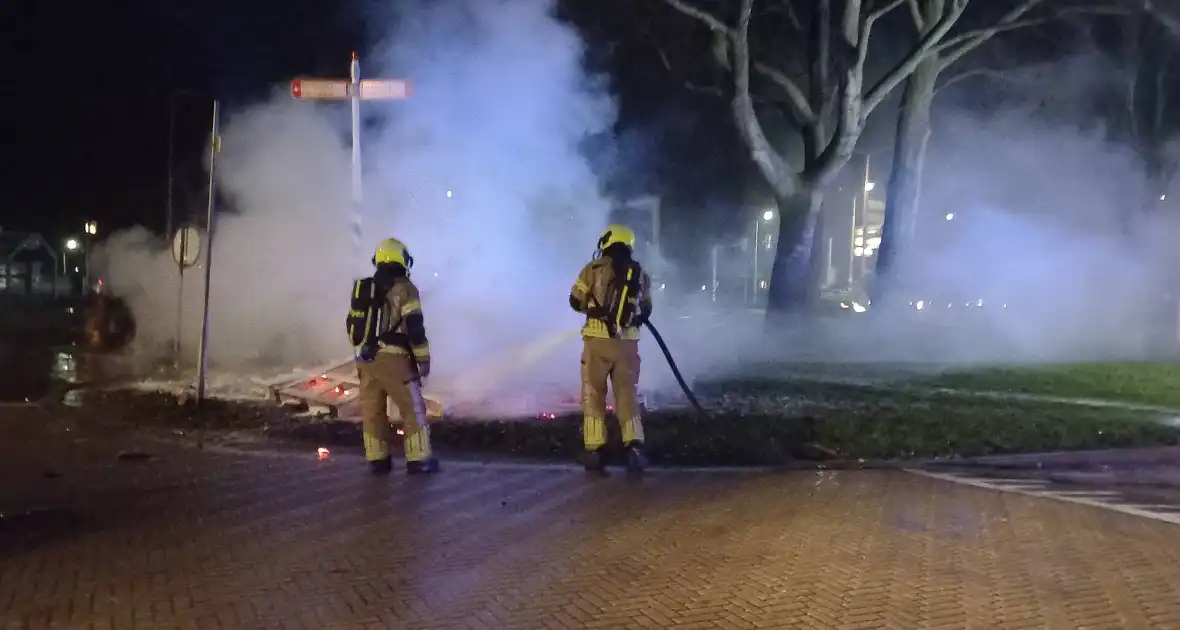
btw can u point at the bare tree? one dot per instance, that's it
(1151, 93)
(829, 103)
(913, 119)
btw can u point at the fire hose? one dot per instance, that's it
(692, 399)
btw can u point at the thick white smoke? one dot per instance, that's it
(478, 172)
(1047, 255)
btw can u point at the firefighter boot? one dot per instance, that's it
(636, 460)
(422, 467)
(594, 461)
(381, 466)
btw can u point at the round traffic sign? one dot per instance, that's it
(186, 246)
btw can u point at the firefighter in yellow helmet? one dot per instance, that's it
(388, 333)
(614, 293)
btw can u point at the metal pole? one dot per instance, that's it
(180, 294)
(171, 134)
(864, 214)
(215, 146)
(714, 257)
(86, 263)
(856, 203)
(754, 279)
(354, 97)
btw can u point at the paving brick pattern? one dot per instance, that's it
(194, 540)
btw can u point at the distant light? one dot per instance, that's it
(450, 194)
(662, 286)
(859, 251)
(703, 287)
(1162, 197)
(768, 215)
(72, 244)
(1005, 306)
(92, 227)
(920, 305)
(950, 216)
(75, 270)
(857, 308)
(858, 241)
(979, 303)
(869, 186)
(762, 284)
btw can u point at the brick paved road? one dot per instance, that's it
(194, 540)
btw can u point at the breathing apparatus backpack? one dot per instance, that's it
(624, 292)
(367, 317)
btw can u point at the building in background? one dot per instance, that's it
(853, 215)
(31, 266)
(854, 212)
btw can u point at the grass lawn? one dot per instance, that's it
(1143, 383)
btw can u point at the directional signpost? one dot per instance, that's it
(353, 90)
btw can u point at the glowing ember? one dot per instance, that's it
(401, 432)
(547, 415)
(322, 453)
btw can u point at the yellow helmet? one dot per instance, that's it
(393, 251)
(617, 233)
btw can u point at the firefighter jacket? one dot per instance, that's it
(404, 328)
(592, 294)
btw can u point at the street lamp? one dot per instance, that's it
(950, 216)
(92, 228)
(768, 215)
(72, 244)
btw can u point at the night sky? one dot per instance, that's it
(93, 144)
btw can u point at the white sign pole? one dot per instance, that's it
(354, 97)
(185, 247)
(203, 356)
(354, 90)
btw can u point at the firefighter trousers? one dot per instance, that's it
(392, 377)
(616, 360)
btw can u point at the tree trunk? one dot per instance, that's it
(792, 282)
(904, 188)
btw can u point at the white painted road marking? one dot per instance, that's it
(1021, 486)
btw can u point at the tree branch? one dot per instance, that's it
(915, 14)
(850, 120)
(905, 68)
(819, 49)
(717, 91)
(1167, 21)
(968, 41)
(803, 112)
(990, 73)
(1134, 40)
(773, 166)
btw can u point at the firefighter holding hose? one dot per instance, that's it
(614, 293)
(388, 334)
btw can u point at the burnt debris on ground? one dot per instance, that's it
(750, 423)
